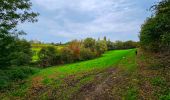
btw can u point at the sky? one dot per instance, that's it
(66, 20)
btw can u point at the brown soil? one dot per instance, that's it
(106, 86)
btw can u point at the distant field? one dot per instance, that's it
(37, 47)
(66, 80)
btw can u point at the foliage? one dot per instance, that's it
(67, 55)
(125, 45)
(47, 56)
(101, 47)
(110, 45)
(131, 94)
(130, 44)
(165, 97)
(86, 54)
(13, 12)
(72, 52)
(56, 78)
(158, 81)
(16, 53)
(22, 54)
(6, 48)
(7, 76)
(78, 50)
(89, 43)
(75, 47)
(155, 32)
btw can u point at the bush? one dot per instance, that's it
(17, 53)
(75, 47)
(158, 81)
(67, 55)
(7, 76)
(155, 32)
(23, 53)
(21, 59)
(48, 56)
(131, 94)
(101, 47)
(89, 43)
(110, 45)
(165, 97)
(4, 79)
(86, 54)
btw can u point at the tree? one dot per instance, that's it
(22, 55)
(130, 44)
(155, 32)
(105, 39)
(89, 43)
(110, 45)
(101, 47)
(47, 56)
(12, 12)
(119, 45)
(67, 55)
(75, 47)
(86, 54)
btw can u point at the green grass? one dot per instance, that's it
(54, 77)
(37, 47)
(129, 62)
(131, 94)
(109, 59)
(35, 54)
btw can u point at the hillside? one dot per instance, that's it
(80, 80)
(85, 50)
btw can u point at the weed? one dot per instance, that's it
(131, 94)
(158, 81)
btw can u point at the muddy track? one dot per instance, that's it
(104, 87)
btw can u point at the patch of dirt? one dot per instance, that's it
(106, 86)
(146, 73)
(36, 88)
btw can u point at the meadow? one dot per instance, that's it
(67, 80)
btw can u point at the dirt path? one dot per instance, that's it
(106, 86)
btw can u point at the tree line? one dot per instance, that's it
(155, 32)
(82, 50)
(17, 52)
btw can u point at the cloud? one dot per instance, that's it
(69, 19)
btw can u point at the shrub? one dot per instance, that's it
(89, 43)
(75, 47)
(4, 79)
(158, 81)
(17, 53)
(118, 45)
(110, 45)
(13, 13)
(20, 72)
(67, 55)
(101, 47)
(86, 54)
(7, 76)
(131, 94)
(47, 56)
(155, 33)
(165, 97)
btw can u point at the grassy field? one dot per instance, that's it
(37, 47)
(63, 82)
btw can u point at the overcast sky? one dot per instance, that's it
(65, 20)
